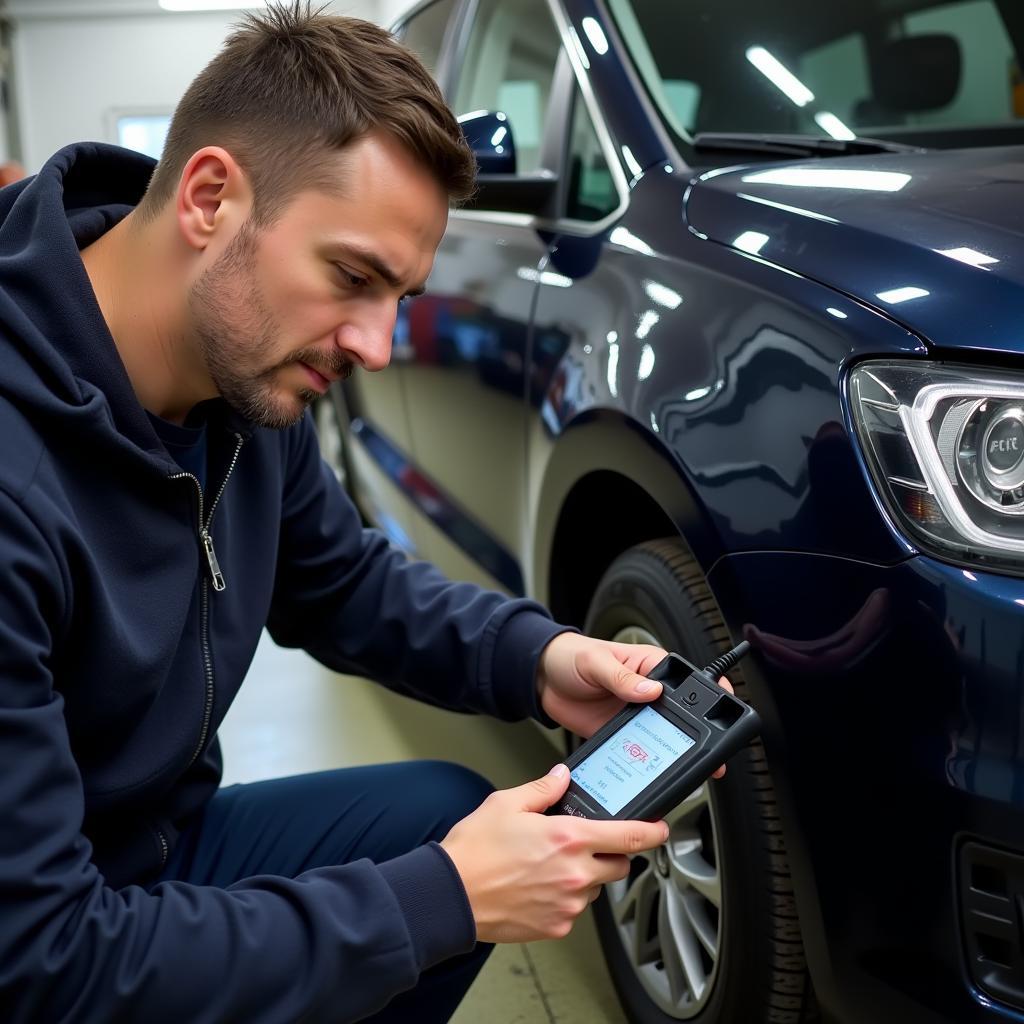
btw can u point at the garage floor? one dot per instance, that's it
(294, 716)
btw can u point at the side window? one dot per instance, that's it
(423, 33)
(509, 64)
(591, 192)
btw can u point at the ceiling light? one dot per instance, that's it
(647, 321)
(578, 47)
(544, 276)
(830, 123)
(751, 241)
(210, 5)
(971, 257)
(620, 236)
(613, 370)
(780, 76)
(596, 35)
(831, 177)
(663, 295)
(895, 295)
(646, 363)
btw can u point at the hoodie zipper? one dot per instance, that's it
(165, 849)
(217, 578)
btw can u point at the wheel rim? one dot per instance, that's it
(667, 911)
(329, 434)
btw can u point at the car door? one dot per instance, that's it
(381, 452)
(467, 348)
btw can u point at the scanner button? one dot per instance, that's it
(691, 697)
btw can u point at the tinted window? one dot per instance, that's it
(832, 68)
(509, 65)
(424, 31)
(591, 193)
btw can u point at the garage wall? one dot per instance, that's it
(4, 148)
(77, 62)
(389, 10)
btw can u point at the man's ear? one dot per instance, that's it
(214, 196)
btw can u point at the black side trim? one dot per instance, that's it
(441, 510)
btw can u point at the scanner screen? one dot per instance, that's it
(631, 759)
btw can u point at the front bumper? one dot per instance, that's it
(893, 701)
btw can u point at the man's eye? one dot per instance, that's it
(351, 279)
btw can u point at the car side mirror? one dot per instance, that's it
(499, 187)
(489, 135)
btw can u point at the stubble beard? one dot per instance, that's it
(237, 333)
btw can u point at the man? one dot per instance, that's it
(162, 500)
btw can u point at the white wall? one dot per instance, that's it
(4, 148)
(75, 61)
(389, 10)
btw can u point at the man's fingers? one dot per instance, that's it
(612, 867)
(540, 794)
(624, 837)
(603, 669)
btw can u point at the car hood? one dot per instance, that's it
(934, 239)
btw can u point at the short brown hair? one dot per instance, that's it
(291, 86)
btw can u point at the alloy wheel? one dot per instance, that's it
(667, 911)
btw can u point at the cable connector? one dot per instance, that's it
(724, 662)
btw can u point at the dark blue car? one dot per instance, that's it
(730, 345)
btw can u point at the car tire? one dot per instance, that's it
(726, 842)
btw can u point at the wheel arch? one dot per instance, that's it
(607, 463)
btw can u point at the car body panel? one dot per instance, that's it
(716, 353)
(692, 351)
(465, 372)
(923, 744)
(912, 234)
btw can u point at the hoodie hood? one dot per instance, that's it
(934, 239)
(61, 365)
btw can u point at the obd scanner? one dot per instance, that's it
(648, 757)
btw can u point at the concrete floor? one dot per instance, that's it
(293, 716)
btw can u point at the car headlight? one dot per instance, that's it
(945, 445)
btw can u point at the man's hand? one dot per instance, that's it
(529, 876)
(583, 681)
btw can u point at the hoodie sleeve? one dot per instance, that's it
(358, 604)
(334, 944)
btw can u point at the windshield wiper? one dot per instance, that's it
(795, 145)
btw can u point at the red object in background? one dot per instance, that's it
(10, 172)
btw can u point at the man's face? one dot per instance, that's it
(286, 309)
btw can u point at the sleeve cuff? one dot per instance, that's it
(517, 651)
(433, 900)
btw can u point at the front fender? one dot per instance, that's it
(603, 441)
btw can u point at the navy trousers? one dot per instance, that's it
(287, 826)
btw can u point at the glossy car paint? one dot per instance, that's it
(948, 225)
(672, 355)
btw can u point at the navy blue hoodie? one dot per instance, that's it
(119, 658)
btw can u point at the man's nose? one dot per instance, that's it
(369, 342)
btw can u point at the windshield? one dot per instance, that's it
(932, 74)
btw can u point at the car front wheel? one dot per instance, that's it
(704, 928)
